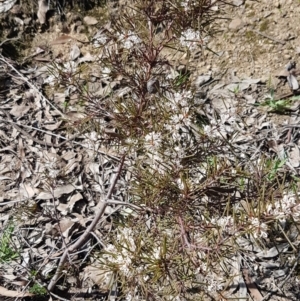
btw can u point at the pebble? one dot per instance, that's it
(236, 24)
(90, 20)
(287, 56)
(238, 2)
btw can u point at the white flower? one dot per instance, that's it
(53, 173)
(185, 4)
(50, 80)
(207, 129)
(106, 71)
(130, 39)
(183, 99)
(156, 254)
(214, 285)
(188, 4)
(180, 184)
(94, 136)
(176, 137)
(125, 235)
(260, 229)
(70, 67)
(284, 208)
(153, 140)
(100, 40)
(124, 265)
(110, 248)
(54, 71)
(129, 297)
(190, 38)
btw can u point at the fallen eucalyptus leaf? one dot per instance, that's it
(57, 192)
(292, 81)
(74, 53)
(43, 8)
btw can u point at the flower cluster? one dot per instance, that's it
(100, 39)
(129, 40)
(188, 5)
(287, 207)
(225, 224)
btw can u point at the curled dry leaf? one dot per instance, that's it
(57, 192)
(97, 275)
(64, 226)
(74, 116)
(53, 126)
(294, 156)
(292, 81)
(43, 8)
(273, 252)
(19, 111)
(61, 40)
(6, 5)
(74, 53)
(26, 190)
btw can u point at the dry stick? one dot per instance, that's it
(268, 37)
(84, 237)
(7, 40)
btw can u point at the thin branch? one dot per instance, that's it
(85, 236)
(32, 86)
(127, 204)
(7, 40)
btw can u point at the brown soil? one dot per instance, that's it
(256, 39)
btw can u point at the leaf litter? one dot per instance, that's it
(69, 181)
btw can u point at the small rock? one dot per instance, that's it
(281, 73)
(80, 29)
(74, 53)
(265, 78)
(238, 2)
(16, 10)
(202, 79)
(236, 24)
(287, 56)
(153, 85)
(27, 21)
(297, 50)
(90, 20)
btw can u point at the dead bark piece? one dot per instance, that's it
(251, 286)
